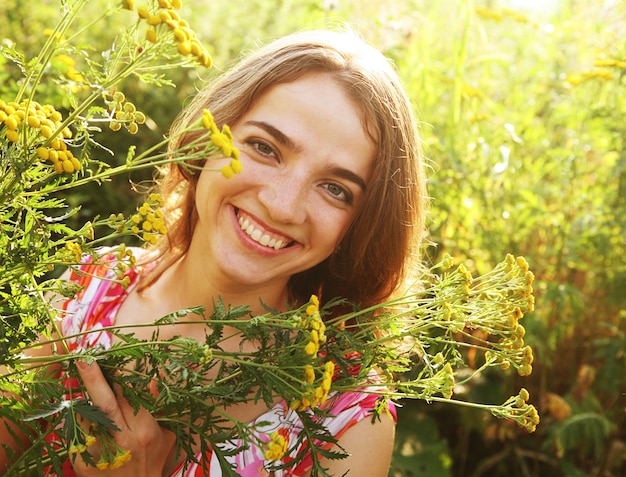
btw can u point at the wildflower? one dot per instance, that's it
(446, 374)
(208, 122)
(610, 63)
(40, 126)
(446, 261)
(12, 136)
(518, 409)
(277, 446)
(128, 4)
(185, 38)
(602, 74)
(121, 458)
(124, 113)
(76, 250)
(223, 142)
(309, 374)
(149, 222)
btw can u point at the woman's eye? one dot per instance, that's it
(339, 193)
(262, 148)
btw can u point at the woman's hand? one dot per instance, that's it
(152, 447)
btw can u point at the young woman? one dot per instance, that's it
(330, 201)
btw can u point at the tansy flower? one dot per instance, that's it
(40, 126)
(148, 222)
(277, 446)
(185, 38)
(124, 113)
(121, 458)
(76, 250)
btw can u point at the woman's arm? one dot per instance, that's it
(369, 445)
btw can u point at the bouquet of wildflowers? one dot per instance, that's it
(415, 348)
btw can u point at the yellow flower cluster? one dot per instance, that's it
(75, 250)
(223, 140)
(79, 448)
(316, 331)
(149, 222)
(125, 114)
(446, 375)
(315, 396)
(602, 74)
(121, 457)
(277, 447)
(125, 260)
(316, 327)
(167, 17)
(511, 348)
(37, 124)
(518, 409)
(621, 64)
(465, 277)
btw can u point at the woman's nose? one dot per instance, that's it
(284, 196)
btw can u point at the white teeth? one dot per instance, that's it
(258, 236)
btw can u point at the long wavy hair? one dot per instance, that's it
(384, 237)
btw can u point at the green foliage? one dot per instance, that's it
(523, 122)
(419, 450)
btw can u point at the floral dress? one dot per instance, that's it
(95, 307)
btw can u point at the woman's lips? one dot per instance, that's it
(261, 235)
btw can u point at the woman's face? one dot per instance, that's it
(306, 163)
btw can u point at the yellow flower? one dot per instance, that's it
(309, 374)
(76, 250)
(12, 136)
(46, 132)
(311, 348)
(120, 459)
(90, 440)
(154, 20)
(12, 122)
(128, 4)
(227, 171)
(184, 47)
(208, 122)
(277, 447)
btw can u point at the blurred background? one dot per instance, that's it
(522, 107)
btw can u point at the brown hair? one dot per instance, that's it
(375, 252)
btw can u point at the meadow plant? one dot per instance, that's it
(415, 343)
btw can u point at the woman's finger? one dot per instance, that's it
(100, 392)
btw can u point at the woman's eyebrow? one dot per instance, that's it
(289, 143)
(348, 175)
(276, 133)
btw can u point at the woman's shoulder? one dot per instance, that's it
(102, 282)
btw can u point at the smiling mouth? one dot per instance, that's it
(261, 236)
